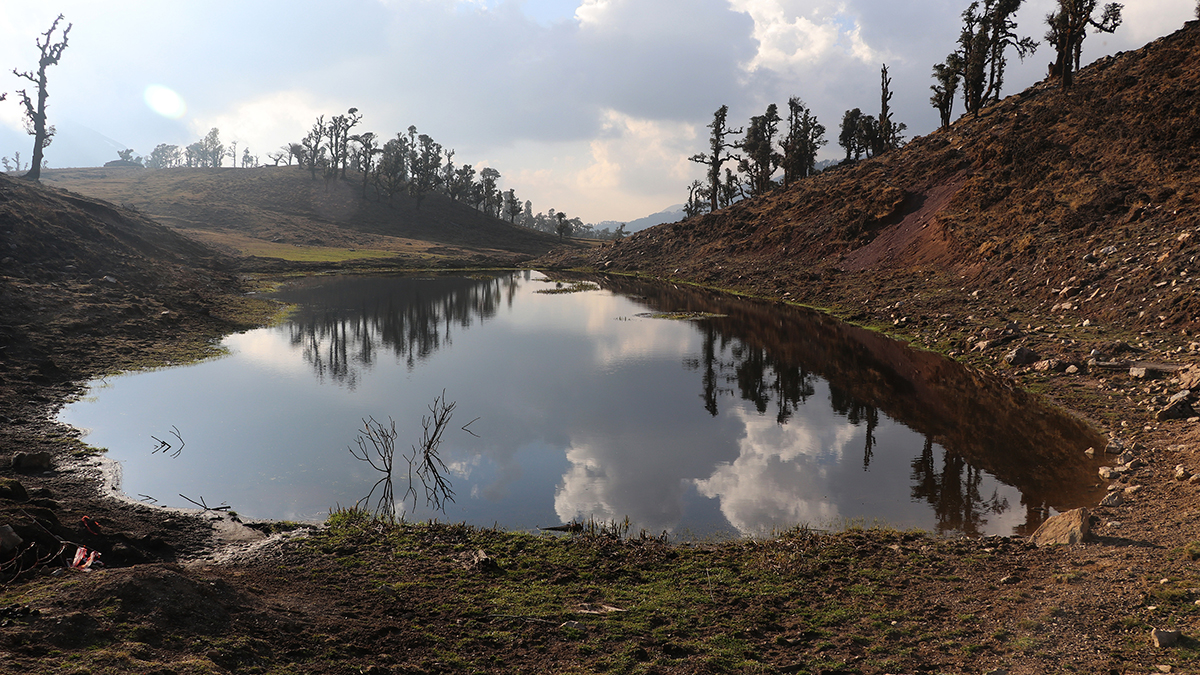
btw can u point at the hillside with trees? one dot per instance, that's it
(1044, 195)
(250, 209)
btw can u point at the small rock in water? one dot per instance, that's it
(1090, 452)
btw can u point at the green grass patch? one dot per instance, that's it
(291, 252)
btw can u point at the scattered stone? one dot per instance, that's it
(1112, 499)
(1182, 473)
(1140, 373)
(1114, 447)
(1164, 638)
(572, 624)
(1108, 472)
(1072, 369)
(996, 671)
(31, 461)
(1021, 356)
(1069, 528)
(479, 561)
(1179, 410)
(1163, 669)
(1125, 457)
(1180, 396)
(1133, 489)
(1010, 579)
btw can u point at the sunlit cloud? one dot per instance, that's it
(780, 478)
(268, 121)
(165, 101)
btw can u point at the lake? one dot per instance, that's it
(689, 412)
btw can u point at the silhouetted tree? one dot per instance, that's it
(697, 201)
(35, 115)
(461, 182)
(849, 137)
(947, 75)
(805, 136)
(891, 134)
(391, 173)
(1068, 28)
(512, 205)
(718, 154)
(164, 156)
(988, 31)
(425, 168)
(487, 194)
(314, 150)
(760, 159)
(368, 147)
(563, 229)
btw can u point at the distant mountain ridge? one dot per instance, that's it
(671, 214)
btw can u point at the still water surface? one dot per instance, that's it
(750, 418)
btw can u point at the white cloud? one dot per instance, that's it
(781, 476)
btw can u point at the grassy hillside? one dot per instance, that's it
(283, 212)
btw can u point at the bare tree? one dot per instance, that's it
(1068, 28)
(715, 159)
(36, 115)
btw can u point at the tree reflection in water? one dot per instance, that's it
(772, 355)
(409, 321)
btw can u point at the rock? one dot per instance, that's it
(31, 461)
(1114, 447)
(9, 539)
(1112, 499)
(996, 671)
(1182, 473)
(1140, 373)
(1133, 489)
(1047, 365)
(1010, 579)
(479, 561)
(1164, 638)
(572, 624)
(1021, 356)
(1125, 457)
(1108, 472)
(1071, 369)
(1180, 396)
(1189, 378)
(11, 488)
(1090, 452)
(1072, 527)
(1194, 479)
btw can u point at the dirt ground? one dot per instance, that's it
(1085, 258)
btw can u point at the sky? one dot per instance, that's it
(590, 107)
